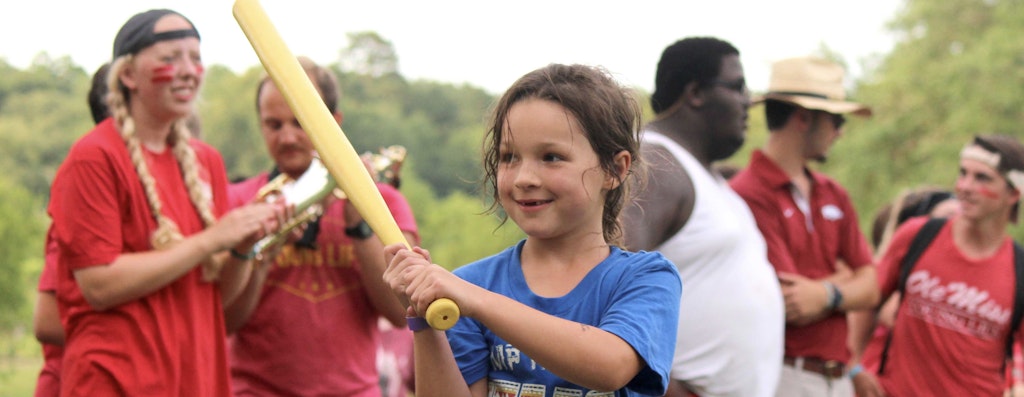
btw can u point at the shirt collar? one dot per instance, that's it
(768, 170)
(776, 178)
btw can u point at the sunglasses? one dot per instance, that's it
(837, 119)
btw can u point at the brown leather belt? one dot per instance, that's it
(828, 369)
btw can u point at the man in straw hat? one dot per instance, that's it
(955, 324)
(809, 224)
(727, 344)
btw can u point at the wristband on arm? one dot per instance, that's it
(240, 256)
(417, 323)
(856, 370)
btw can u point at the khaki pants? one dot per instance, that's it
(799, 383)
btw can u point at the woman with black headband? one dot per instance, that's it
(147, 254)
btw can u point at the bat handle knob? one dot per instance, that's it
(442, 314)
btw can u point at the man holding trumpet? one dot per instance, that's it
(307, 295)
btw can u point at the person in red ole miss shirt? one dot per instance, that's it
(953, 323)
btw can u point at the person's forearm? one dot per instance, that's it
(861, 324)
(134, 275)
(46, 320)
(860, 292)
(234, 276)
(237, 313)
(437, 373)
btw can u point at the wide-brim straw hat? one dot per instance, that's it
(812, 83)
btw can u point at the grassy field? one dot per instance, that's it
(20, 361)
(18, 376)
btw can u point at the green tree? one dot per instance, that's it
(20, 243)
(227, 112)
(42, 111)
(369, 54)
(954, 74)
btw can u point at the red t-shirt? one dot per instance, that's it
(169, 343)
(807, 247)
(48, 383)
(950, 331)
(314, 331)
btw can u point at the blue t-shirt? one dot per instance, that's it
(634, 295)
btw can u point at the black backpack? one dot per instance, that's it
(921, 241)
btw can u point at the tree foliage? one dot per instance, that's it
(21, 229)
(954, 74)
(369, 54)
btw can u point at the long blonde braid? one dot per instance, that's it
(198, 192)
(167, 232)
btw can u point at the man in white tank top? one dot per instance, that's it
(731, 318)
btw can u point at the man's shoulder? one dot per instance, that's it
(387, 191)
(747, 182)
(242, 191)
(257, 180)
(667, 179)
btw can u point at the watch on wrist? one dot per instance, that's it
(835, 296)
(361, 231)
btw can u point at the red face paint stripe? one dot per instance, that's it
(988, 193)
(163, 74)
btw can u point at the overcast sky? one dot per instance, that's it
(484, 43)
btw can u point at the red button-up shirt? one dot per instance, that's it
(807, 247)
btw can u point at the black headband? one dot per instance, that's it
(137, 33)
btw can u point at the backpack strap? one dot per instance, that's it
(1018, 297)
(921, 241)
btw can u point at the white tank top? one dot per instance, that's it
(731, 318)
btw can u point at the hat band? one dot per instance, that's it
(798, 93)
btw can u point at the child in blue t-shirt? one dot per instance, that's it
(564, 312)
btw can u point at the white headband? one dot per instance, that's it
(978, 153)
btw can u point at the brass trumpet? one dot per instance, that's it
(310, 191)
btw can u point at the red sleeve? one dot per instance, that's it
(89, 217)
(48, 278)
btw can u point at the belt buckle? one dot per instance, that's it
(833, 369)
